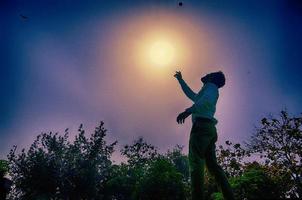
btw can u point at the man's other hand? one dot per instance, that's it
(181, 117)
(178, 75)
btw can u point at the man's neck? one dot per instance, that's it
(210, 83)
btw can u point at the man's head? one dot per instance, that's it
(217, 78)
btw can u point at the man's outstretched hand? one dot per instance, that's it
(182, 116)
(178, 75)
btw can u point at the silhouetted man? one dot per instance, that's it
(203, 134)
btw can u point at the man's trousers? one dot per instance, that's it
(203, 136)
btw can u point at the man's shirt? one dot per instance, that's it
(204, 101)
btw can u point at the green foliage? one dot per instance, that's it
(5, 183)
(147, 173)
(210, 185)
(54, 168)
(124, 182)
(139, 153)
(230, 157)
(217, 196)
(279, 142)
(255, 183)
(162, 181)
(3, 168)
(127, 177)
(180, 161)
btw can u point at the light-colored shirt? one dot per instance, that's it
(204, 101)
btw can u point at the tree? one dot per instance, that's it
(127, 177)
(139, 153)
(5, 183)
(180, 161)
(231, 158)
(150, 175)
(255, 183)
(123, 183)
(54, 168)
(162, 181)
(279, 142)
(3, 168)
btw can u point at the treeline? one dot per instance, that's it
(268, 166)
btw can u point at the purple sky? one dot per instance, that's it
(67, 65)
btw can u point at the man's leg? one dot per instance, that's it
(200, 138)
(218, 173)
(197, 176)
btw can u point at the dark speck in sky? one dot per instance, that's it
(23, 17)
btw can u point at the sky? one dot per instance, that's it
(63, 63)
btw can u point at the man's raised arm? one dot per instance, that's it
(185, 88)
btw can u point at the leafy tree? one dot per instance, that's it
(54, 168)
(180, 161)
(150, 175)
(255, 183)
(127, 177)
(5, 183)
(231, 158)
(139, 153)
(162, 181)
(3, 168)
(123, 183)
(210, 185)
(279, 142)
(217, 196)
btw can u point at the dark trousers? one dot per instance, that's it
(202, 151)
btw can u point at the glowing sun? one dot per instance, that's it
(161, 53)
